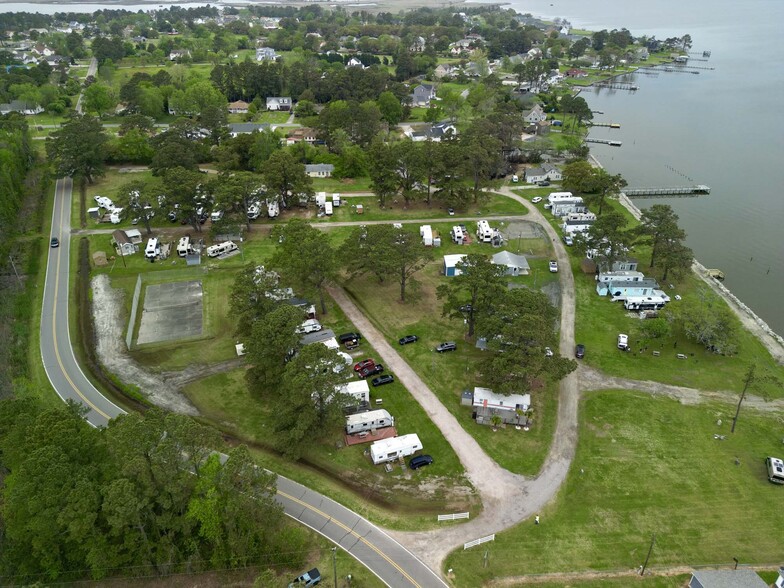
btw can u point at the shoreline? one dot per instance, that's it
(772, 341)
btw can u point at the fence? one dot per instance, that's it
(476, 542)
(452, 517)
(134, 307)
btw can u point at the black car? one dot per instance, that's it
(55, 242)
(371, 370)
(408, 339)
(579, 351)
(448, 346)
(419, 461)
(381, 380)
(543, 183)
(348, 337)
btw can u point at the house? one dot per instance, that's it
(450, 265)
(443, 70)
(122, 244)
(134, 236)
(726, 579)
(301, 134)
(563, 203)
(238, 107)
(245, 128)
(418, 45)
(516, 265)
(534, 53)
(577, 222)
(534, 115)
(57, 60)
(553, 173)
(442, 130)
(43, 50)
(266, 54)
(20, 106)
(487, 404)
(423, 94)
(623, 290)
(625, 265)
(319, 170)
(547, 172)
(462, 47)
(279, 103)
(386, 450)
(576, 73)
(354, 62)
(178, 54)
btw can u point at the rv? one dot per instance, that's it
(775, 470)
(321, 199)
(115, 216)
(457, 235)
(358, 390)
(254, 210)
(368, 421)
(216, 215)
(328, 208)
(221, 248)
(273, 210)
(426, 232)
(386, 450)
(183, 246)
(483, 231)
(336, 200)
(152, 250)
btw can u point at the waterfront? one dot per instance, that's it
(722, 128)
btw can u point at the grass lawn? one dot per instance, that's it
(678, 581)
(449, 374)
(662, 472)
(345, 185)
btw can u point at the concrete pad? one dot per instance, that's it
(171, 311)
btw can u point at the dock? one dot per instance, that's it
(604, 142)
(608, 125)
(617, 86)
(665, 192)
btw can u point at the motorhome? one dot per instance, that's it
(483, 231)
(358, 390)
(457, 235)
(336, 199)
(152, 250)
(183, 246)
(386, 450)
(775, 470)
(221, 248)
(368, 421)
(254, 210)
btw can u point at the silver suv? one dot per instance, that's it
(448, 346)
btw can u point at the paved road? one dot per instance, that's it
(91, 69)
(380, 553)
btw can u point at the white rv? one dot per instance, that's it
(483, 231)
(386, 450)
(336, 200)
(426, 232)
(328, 208)
(152, 250)
(183, 246)
(221, 248)
(273, 210)
(457, 235)
(367, 421)
(321, 199)
(358, 390)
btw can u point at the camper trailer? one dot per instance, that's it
(321, 199)
(152, 250)
(328, 208)
(183, 246)
(221, 248)
(457, 235)
(483, 231)
(336, 199)
(273, 210)
(385, 450)
(359, 390)
(426, 232)
(368, 421)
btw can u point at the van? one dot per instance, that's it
(775, 469)
(515, 179)
(152, 250)
(183, 246)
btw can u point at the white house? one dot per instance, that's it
(450, 265)
(620, 276)
(122, 244)
(354, 62)
(577, 222)
(624, 290)
(319, 170)
(516, 265)
(279, 103)
(266, 54)
(547, 172)
(176, 54)
(238, 107)
(563, 203)
(386, 450)
(534, 115)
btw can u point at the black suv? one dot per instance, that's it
(381, 380)
(448, 346)
(408, 339)
(579, 351)
(348, 337)
(371, 370)
(419, 461)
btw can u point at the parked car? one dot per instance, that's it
(553, 266)
(55, 242)
(451, 211)
(536, 199)
(309, 326)
(568, 240)
(448, 346)
(371, 370)
(419, 461)
(348, 337)
(408, 339)
(623, 341)
(307, 579)
(579, 351)
(466, 308)
(364, 364)
(548, 352)
(543, 183)
(381, 380)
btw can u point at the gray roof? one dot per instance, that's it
(729, 579)
(510, 260)
(317, 337)
(247, 127)
(319, 167)
(644, 283)
(535, 171)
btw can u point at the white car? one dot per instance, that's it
(623, 341)
(309, 326)
(553, 266)
(548, 352)
(536, 200)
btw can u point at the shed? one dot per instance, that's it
(726, 579)
(450, 264)
(122, 244)
(516, 265)
(94, 212)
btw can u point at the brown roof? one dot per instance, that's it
(120, 237)
(238, 104)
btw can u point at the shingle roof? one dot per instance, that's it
(729, 579)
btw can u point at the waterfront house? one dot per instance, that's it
(534, 115)
(577, 222)
(623, 289)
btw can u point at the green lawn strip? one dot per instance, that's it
(648, 581)
(449, 374)
(649, 465)
(332, 185)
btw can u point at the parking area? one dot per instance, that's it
(172, 311)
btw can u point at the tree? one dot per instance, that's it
(655, 328)
(134, 147)
(137, 122)
(98, 99)
(473, 292)
(136, 198)
(215, 119)
(184, 191)
(236, 192)
(578, 177)
(382, 171)
(604, 185)
(658, 226)
(608, 236)
(675, 257)
(705, 319)
(285, 178)
(78, 147)
(390, 107)
(482, 155)
(272, 342)
(305, 257)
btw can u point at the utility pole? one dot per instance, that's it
(335, 565)
(13, 265)
(647, 557)
(746, 383)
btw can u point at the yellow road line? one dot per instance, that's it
(352, 532)
(54, 315)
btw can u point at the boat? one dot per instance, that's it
(716, 274)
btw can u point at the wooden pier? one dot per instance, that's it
(666, 192)
(617, 86)
(608, 125)
(704, 67)
(604, 142)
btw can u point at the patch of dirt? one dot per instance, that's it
(110, 349)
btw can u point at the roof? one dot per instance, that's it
(453, 259)
(644, 283)
(510, 260)
(319, 167)
(279, 99)
(729, 579)
(535, 171)
(247, 127)
(133, 233)
(120, 237)
(486, 397)
(238, 104)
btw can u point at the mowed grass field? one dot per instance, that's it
(649, 465)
